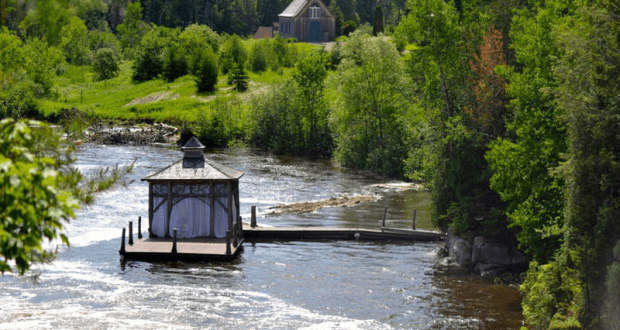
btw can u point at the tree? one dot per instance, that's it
(206, 74)
(370, 87)
(536, 137)
(488, 116)
(38, 193)
(240, 79)
(365, 10)
(47, 20)
(311, 114)
(233, 54)
(149, 62)
(132, 29)
(378, 22)
(74, 42)
(105, 65)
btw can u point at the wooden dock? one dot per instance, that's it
(161, 249)
(342, 234)
(226, 249)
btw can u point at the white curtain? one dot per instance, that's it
(221, 217)
(191, 218)
(158, 227)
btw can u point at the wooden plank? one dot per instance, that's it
(319, 233)
(159, 249)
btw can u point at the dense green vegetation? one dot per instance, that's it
(507, 110)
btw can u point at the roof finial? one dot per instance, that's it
(193, 156)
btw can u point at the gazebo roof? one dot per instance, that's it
(194, 167)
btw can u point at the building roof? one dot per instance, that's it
(212, 171)
(297, 6)
(294, 8)
(264, 32)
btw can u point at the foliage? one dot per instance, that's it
(536, 136)
(38, 195)
(259, 55)
(175, 63)
(239, 79)
(348, 27)
(106, 64)
(193, 40)
(551, 296)
(47, 21)
(75, 43)
(489, 113)
(98, 40)
(149, 62)
(233, 54)
(132, 29)
(370, 88)
(206, 73)
(377, 27)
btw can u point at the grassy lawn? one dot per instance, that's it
(156, 100)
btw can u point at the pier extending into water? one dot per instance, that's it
(224, 249)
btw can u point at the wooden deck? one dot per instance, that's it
(160, 249)
(211, 249)
(321, 233)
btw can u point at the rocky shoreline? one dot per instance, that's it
(131, 134)
(483, 256)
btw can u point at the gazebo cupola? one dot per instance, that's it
(197, 196)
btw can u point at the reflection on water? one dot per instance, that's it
(280, 285)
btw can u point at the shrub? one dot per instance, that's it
(106, 65)
(149, 61)
(233, 54)
(175, 64)
(206, 74)
(349, 27)
(259, 56)
(240, 79)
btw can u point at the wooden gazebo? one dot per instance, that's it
(197, 196)
(196, 201)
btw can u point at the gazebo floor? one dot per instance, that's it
(198, 249)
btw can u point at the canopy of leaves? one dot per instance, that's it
(37, 196)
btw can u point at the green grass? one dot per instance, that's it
(156, 100)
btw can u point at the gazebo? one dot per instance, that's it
(196, 196)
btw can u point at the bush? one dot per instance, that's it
(206, 74)
(240, 79)
(106, 65)
(349, 27)
(175, 64)
(233, 54)
(149, 61)
(17, 99)
(259, 56)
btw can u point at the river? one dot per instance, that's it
(279, 285)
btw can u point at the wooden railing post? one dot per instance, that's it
(228, 252)
(122, 251)
(415, 214)
(253, 218)
(384, 216)
(139, 227)
(174, 240)
(130, 233)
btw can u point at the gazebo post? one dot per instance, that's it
(174, 241)
(228, 252)
(122, 251)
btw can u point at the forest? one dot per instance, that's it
(508, 111)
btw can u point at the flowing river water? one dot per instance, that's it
(278, 285)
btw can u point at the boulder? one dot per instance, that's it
(460, 250)
(486, 252)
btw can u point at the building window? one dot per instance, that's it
(315, 11)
